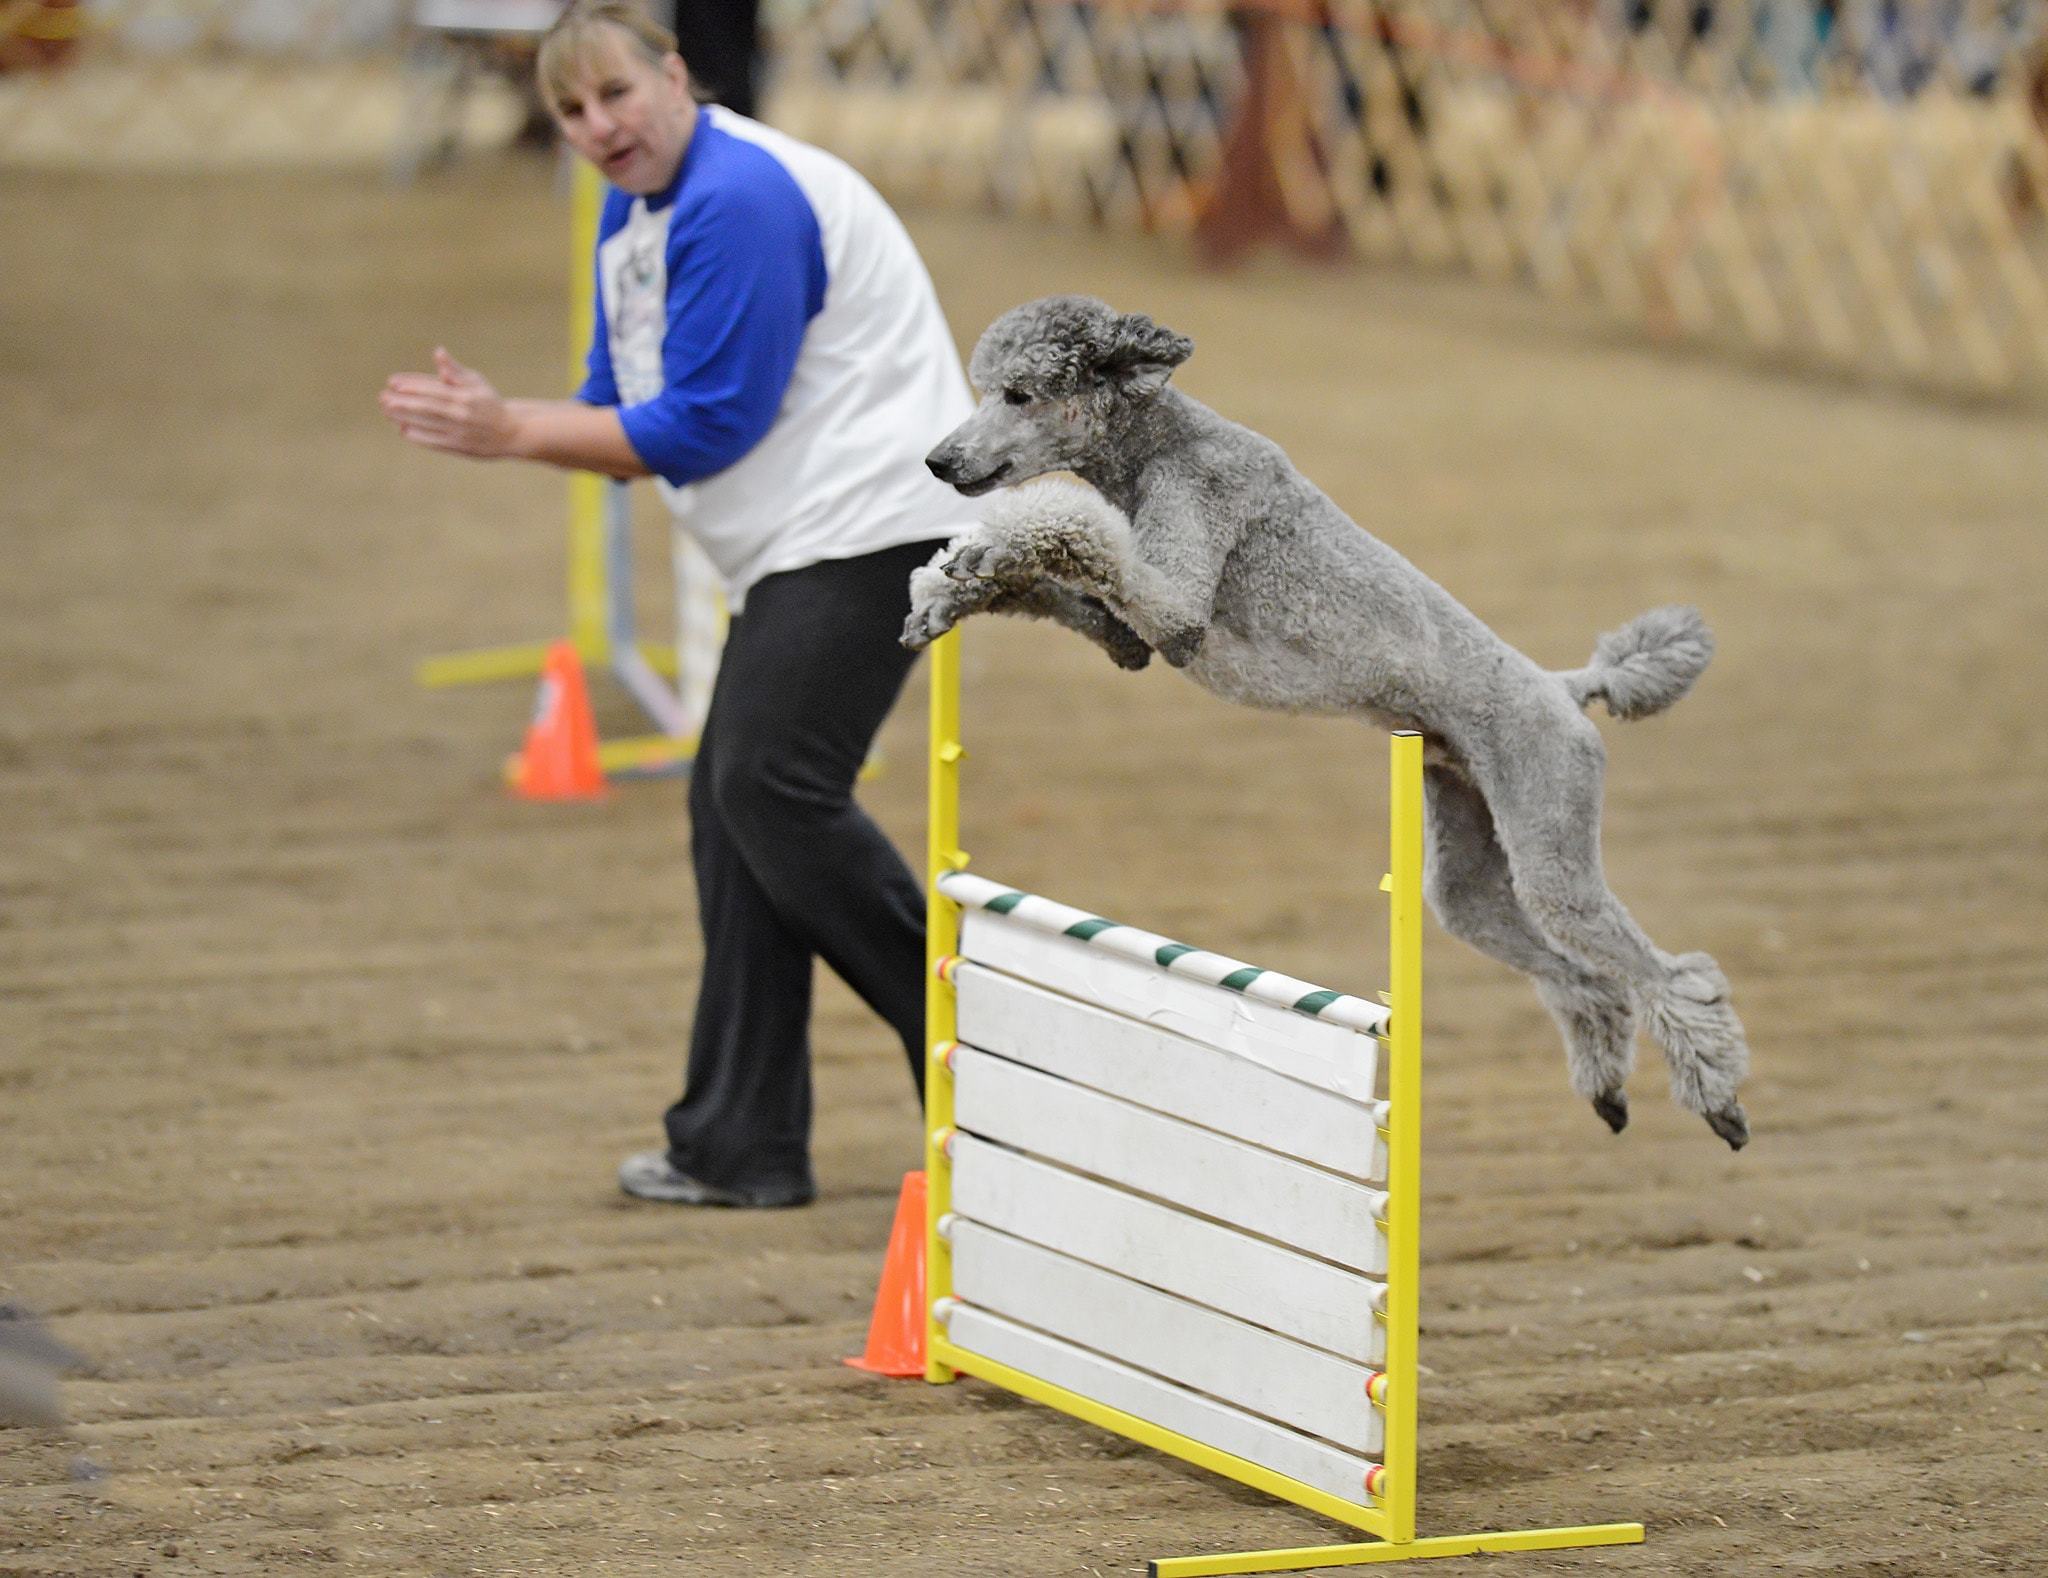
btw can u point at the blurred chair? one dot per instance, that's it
(454, 43)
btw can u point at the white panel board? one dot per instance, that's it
(1255, 1370)
(1163, 953)
(1331, 1056)
(1209, 1173)
(1299, 1457)
(1169, 1073)
(1255, 1281)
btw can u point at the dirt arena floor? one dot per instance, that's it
(317, 1051)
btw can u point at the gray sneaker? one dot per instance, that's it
(648, 1175)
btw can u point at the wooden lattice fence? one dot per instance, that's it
(1855, 184)
(208, 84)
(1861, 185)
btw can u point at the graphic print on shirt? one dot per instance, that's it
(636, 301)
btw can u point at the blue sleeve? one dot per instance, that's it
(598, 387)
(746, 273)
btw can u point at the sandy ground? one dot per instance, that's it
(317, 1051)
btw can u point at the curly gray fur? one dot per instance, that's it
(1199, 539)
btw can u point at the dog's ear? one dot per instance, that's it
(1140, 355)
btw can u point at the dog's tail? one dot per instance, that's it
(1646, 665)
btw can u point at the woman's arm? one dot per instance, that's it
(455, 410)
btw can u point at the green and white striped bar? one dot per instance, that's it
(1212, 969)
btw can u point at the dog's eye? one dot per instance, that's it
(1016, 397)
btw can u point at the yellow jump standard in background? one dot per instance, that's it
(588, 626)
(1078, 1115)
(602, 622)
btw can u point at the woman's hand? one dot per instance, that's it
(453, 409)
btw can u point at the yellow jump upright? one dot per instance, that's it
(602, 623)
(586, 557)
(1179, 1196)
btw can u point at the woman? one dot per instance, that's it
(770, 349)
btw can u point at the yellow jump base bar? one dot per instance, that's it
(1365, 1555)
(1359, 1554)
(1178, 1196)
(1171, 1442)
(488, 665)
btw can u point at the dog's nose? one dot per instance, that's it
(942, 466)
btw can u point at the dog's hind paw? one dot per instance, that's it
(1731, 1123)
(1612, 1106)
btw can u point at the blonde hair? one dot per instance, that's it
(580, 36)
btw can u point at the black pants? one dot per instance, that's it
(789, 868)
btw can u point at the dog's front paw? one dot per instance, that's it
(934, 609)
(1180, 646)
(1126, 648)
(922, 628)
(978, 558)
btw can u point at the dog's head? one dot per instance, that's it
(1053, 375)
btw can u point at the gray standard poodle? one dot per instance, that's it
(1198, 539)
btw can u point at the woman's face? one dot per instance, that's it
(628, 115)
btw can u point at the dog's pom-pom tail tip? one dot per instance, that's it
(1650, 662)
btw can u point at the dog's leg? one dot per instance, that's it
(939, 601)
(1080, 613)
(1544, 790)
(1072, 535)
(1183, 540)
(1465, 877)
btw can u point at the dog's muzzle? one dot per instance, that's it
(952, 471)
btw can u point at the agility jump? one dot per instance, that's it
(1178, 1196)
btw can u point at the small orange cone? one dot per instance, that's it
(896, 1333)
(560, 758)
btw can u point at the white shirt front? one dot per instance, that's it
(875, 386)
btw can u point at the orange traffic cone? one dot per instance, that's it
(896, 1333)
(560, 758)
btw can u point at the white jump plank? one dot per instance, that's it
(1332, 1056)
(1299, 1457)
(1255, 1281)
(1163, 953)
(1169, 1073)
(1209, 1173)
(1253, 1369)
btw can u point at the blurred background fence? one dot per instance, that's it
(1855, 184)
(1862, 185)
(211, 84)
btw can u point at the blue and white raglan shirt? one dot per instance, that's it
(777, 354)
